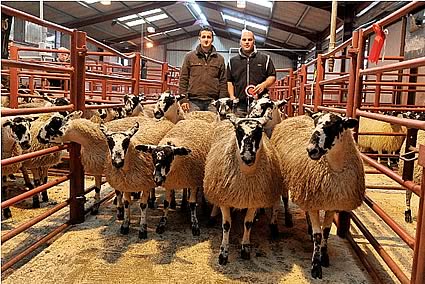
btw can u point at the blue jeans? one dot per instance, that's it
(203, 105)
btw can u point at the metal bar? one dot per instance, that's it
(417, 62)
(380, 250)
(394, 84)
(116, 79)
(320, 76)
(111, 105)
(34, 246)
(31, 192)
(13, 80)
(388, 187)
(332, 109)
(24, 111)
(406, 183)
(410, 241)
(382, 133)
(412, 123)
(335, 80)
(405, 108)
(23, 157)
(37, 66)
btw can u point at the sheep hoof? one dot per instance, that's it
(35, 202)
(195, 230)
(288, 220)
(274, 231)
(316, 269)
(124, 230)
(115, 201)
(120, 213)
(95, 210)
(7, 213)
(408, 216)
(222, 259)
(246, 252)
(160, 229)
(143, 235)
(324, 258)
(44, 196)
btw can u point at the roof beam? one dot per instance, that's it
(254, 18)
(137, 35)
(117, 14)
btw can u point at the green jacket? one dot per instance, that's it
(203, 76)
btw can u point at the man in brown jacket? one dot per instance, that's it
(202, 75)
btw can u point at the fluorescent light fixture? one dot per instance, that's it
(149, 44)
(164, 32)
(196, 12)
(244, 22)
(150, 29)
(91, 1)
(196, 8)
(239, 32)
(129, 17)
(157, 17)
(267, 4)
(241, 4)
(135, 22)
(154, 11)
(105, 2)
(367, 9)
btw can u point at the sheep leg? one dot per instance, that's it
(184, 204)
(143, 231)
(173, 203)
(327, 224)
(316, 267)
(163, 221)
(27, 179)
(37, 183)
(274, 231)
(213, 216)
(152, 198)
(120, 205)
(408, 212)
(227, 224)
(6, 211)
(44, 178)
(379, 157)
(288, 215)
(97, 186)
(125, 227)
(193, 218)
(309, 228)
(246, 243)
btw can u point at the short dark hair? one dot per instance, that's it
(206, 29)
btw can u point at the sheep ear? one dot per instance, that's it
(103, 129)
(309, 112)
(263, 120)
(214, 103)
(74, 115)
(145, 148)
(46, 98)
(281, 103)
(181, 151)
(133, 130)
(179, 97)
(31, 119)
(7, 123)
(350, 122)
(141, 97)
(126, 97)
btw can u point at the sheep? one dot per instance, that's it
(417, 172)
(175, 168)
(241, 171)
(132, 104)
(328, 176)
(93, 143)
(265, 107)
(132, 172)
(380, 143)
(15, 136)
(224, 107)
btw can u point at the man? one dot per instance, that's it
(249, 67)
(202, 75)
(62, 57)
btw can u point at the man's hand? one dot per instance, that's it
(185, 107)
(259, 89)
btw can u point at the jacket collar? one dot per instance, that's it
(200, 52)
(253, 53)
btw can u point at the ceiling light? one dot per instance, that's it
(149, 44)
(150, 12)
(244, 22)
(135, 23)
(241, 4)
(365, 10)
(122, 19)
(150, 29)
(105, 2)
(267, 4)
(157, 17)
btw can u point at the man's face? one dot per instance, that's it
(63, 57)
(247, 42)
(206, 39)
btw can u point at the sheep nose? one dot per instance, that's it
(118, 165)
(158, 180)
(25, 145)
(158, 114)
(313, 152)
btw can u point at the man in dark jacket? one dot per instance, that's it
(249, 67)
(202, 75)
(63, 57)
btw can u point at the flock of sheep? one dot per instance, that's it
(243, 163)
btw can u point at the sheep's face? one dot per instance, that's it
(118, 143)
(224, 107)
(21, 130)
(264, 107)
(54, 129)
(162, 157)
(248, 135)
(61, 101)
(131, 102)
(327, 131)
(164, 103)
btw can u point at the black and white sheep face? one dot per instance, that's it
(224, 107)
(57, 102)
(20, 127)
(264, 107)
(131, 102)
(118, 143)
(249, 133)
(55, 128)
(162, 157)
(327, 131)
(165, 103)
